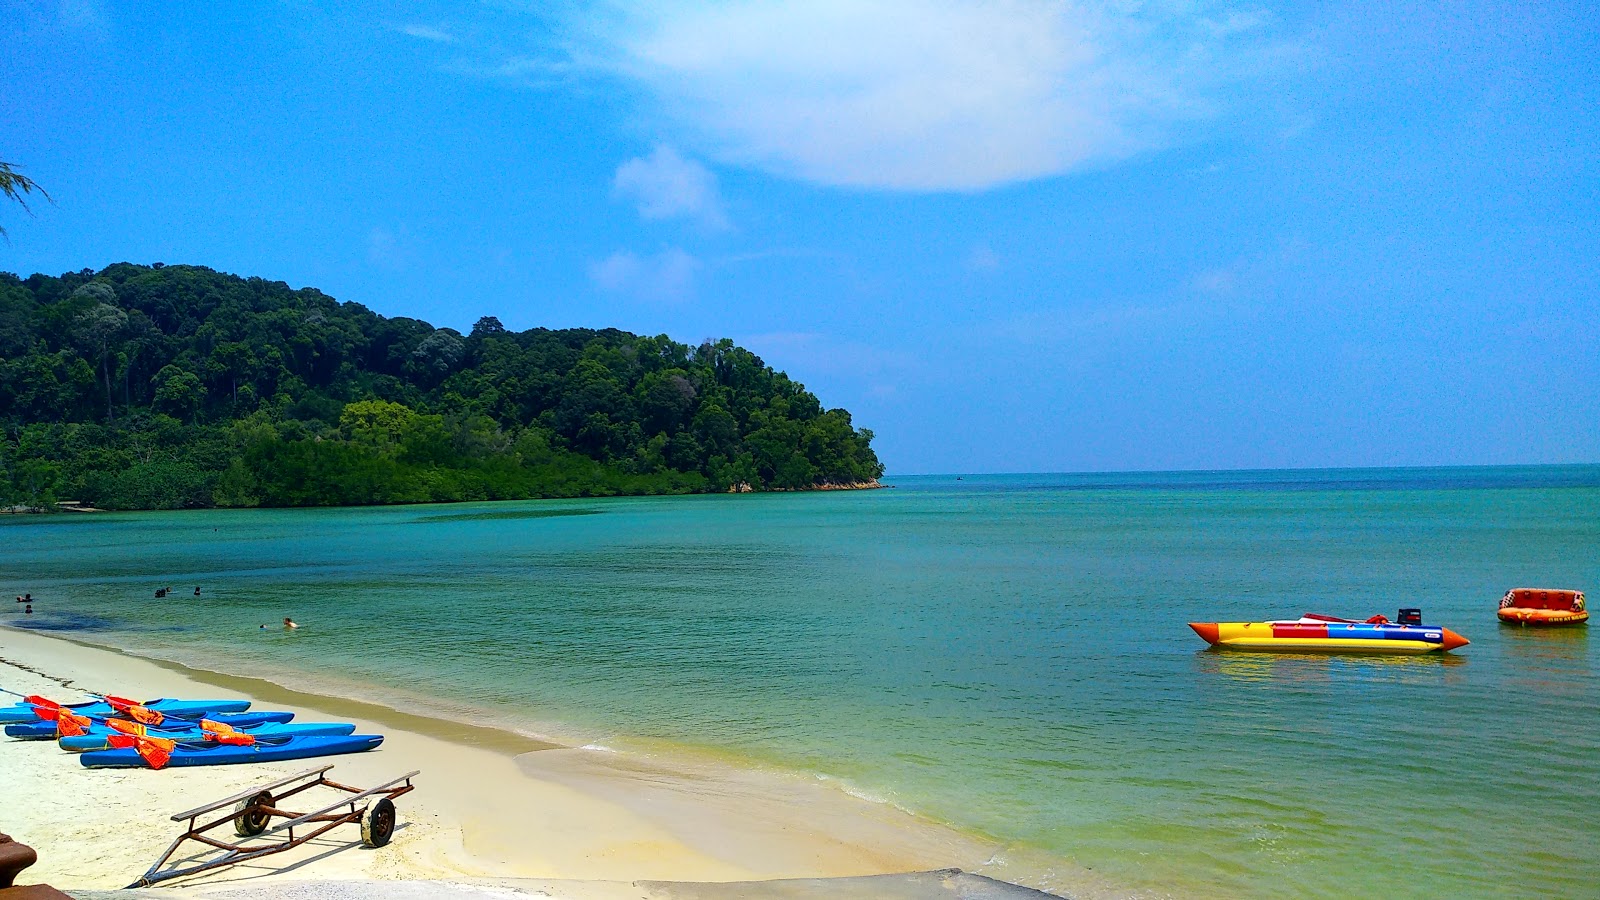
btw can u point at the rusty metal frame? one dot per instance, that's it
(237, 852)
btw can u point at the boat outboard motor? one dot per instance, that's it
(1409, 617)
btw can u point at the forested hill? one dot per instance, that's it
(156, 387)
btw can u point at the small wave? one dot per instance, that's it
(863, 794)
(599, 748)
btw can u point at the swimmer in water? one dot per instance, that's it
(289, 623)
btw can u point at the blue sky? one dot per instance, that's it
(1008, 236)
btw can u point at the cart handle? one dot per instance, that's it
(191, 813)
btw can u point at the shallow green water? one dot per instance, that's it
(1005, 653)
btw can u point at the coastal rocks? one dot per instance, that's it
(60, 506)
(851, 486)
(744, 488)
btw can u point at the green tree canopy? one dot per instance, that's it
(155, 386)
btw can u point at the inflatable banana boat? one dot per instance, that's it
(1541, 606)
(1313, 633)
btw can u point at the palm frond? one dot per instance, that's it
(16, 185)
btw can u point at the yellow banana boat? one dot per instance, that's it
(1313, 633)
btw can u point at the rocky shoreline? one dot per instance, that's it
(743, 488)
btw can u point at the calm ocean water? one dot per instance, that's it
(1005, 653)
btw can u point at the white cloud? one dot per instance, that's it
(982, 259)
(918, 94)
(427, 33)
(664, 185)
(811, 351)
(666, 276)
(390, 248)
(81, 14)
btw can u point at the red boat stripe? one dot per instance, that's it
(1298, 630)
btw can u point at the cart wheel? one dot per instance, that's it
(377, 823)
(249, 824)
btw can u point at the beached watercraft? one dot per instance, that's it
(1543, 606)
(47, 729)
(1313, 633)
(102, 740)
(180, 709)
(208, 753)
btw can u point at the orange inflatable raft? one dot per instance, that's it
(1541, 606)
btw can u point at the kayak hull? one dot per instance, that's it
(39, 730)
(180, 709)
(81, 743)
(212, 754)
(1328, 637)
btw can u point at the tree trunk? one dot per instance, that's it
(105, 370)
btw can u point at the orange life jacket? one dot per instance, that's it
(135, 711)
(157, 752)
(70, 724)
(225, 734)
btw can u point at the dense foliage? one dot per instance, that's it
(143, 387)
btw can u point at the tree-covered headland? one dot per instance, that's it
(161, 387)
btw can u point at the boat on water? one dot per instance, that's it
(155, 753)
(179, 709)
(104, 739)
(1543, 606)
(1313, 633)
(47, 729)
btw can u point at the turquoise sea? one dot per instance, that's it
(1005, 653)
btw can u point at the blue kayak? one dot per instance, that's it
(44, 730)
(79, 743)
(181, 709)
(272, 749)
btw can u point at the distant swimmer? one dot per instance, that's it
(19, 598)
(263, 628)
(28, 609)
(287, 623)
(197, 590)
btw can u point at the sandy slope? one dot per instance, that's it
(481, 810)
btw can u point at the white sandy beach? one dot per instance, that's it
(561, 821)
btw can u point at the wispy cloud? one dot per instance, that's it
(664, 185)
(912, 95)
(391, 248)
(1237, 289)
(921, 94)
(812, 351)
(81, 14)
(665, 276)
(426, 33)
(982, 258)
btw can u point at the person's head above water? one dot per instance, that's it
(289, 623)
